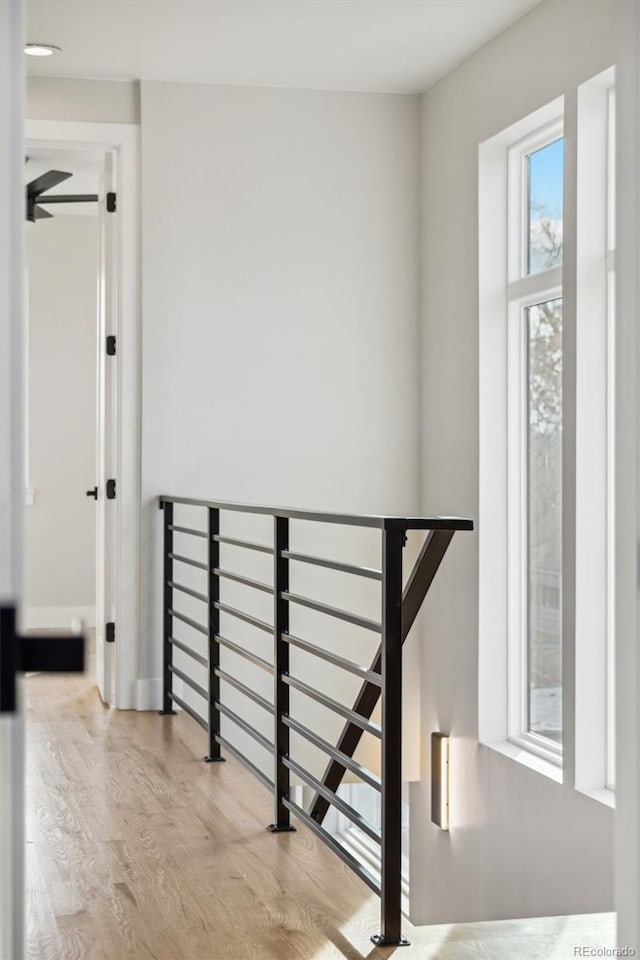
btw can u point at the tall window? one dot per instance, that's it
(534, 349)
(534, 455)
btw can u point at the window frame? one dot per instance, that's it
(518, 212)
(589, 430)
(499, 283)
(610, 745)
(523, 290)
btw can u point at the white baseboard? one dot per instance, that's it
(149, 694)
(57, 618)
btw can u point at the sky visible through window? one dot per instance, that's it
(545, 207)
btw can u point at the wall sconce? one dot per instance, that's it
(440, 748)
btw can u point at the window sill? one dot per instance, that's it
(521, 755)
(601, 795)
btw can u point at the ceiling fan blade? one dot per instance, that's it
(47, 181)
(41, 214)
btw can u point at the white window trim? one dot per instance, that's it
(595, 453)
(522, 752)
(499, 287)
(590, 751)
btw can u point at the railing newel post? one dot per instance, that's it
(282, 776)
(167, 594)
(391, 879)
(213, 652)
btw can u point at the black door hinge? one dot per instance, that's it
(111, 345)
(111, 203)
(110, 632)
(111, 489)
(33, 653)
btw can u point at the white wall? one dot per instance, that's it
(520, 844)
(103, 101)
(280, 317)
(60, 525)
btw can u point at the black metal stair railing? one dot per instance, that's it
(383, 679)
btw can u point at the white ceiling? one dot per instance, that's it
(400, 46)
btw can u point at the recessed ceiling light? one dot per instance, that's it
(41, 49)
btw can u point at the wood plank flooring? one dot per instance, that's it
(138, 849)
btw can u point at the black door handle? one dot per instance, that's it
(93, 493)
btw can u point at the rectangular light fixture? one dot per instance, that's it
(440, 748)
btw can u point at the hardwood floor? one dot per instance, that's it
(138, 849)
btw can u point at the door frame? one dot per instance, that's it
(123, 138)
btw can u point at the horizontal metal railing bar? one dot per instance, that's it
(189, 530)
(333, 705)
(190, 623)
(241, 615)
(192, 563)
(68, 198)
(248, 692)
(334, 565)
(333, 611)
(252, 657)
(354, 520)
(189, 682)
(264, 779)
(348, 665)
(188, 651)
(247, 581)
(366, 775)
(333, 844)
(189, 710)
(192, 593)
(257, 736)
(345, 808)
(247, 544)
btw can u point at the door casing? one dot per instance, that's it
(118, 559)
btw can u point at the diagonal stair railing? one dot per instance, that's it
(200, 644)
(421, 578)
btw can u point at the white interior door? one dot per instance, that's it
(12, 358)
(107, 434)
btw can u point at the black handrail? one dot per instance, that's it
(382, 679)
(353, 520)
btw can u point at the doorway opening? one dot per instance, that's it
(70, 404)
(117, 595)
